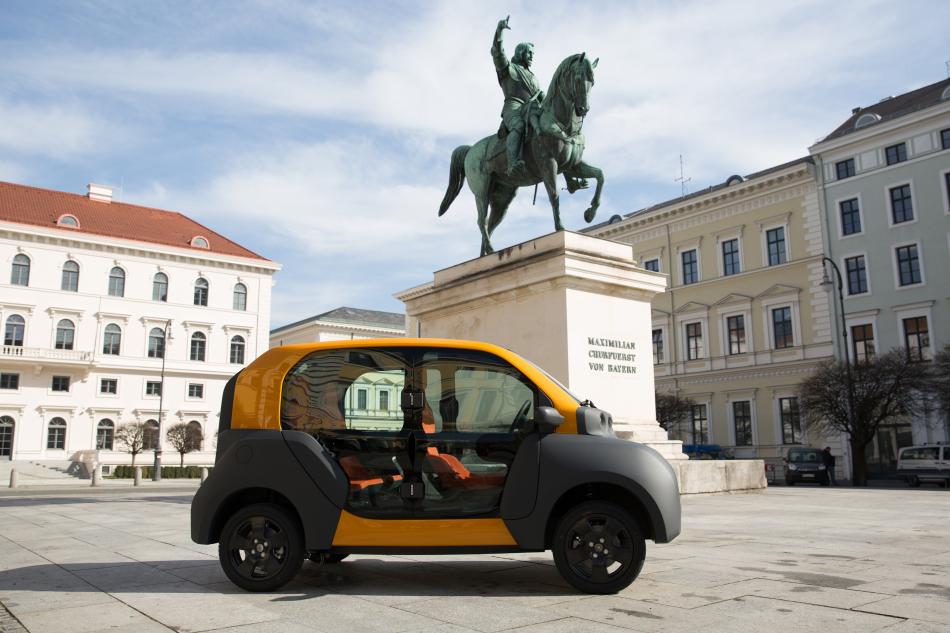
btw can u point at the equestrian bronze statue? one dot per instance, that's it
(540, 137)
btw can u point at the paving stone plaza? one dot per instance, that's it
(785, 559)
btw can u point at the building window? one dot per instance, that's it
(156, 343)
(782, 327)
(844, 168)
(775, 240)
(857, 275)
(908, 265)
(657, 347)
(112, 340)
(60, 383)
(56, 434)
(150, 437)
(70, 276)
(10, 381)
(945, 138)
(896, 153)
(917, 339)
(699, 424)
(862, 342)
(68, 220)
(240, 297)
(116, 282)
(198, 344)
(65, 334)
(791, 420)
(109, 386)
(160, 287)
(736, 327)
(20, 272)
(742, 421)
(199, 242)
(105, 432)
(13, 332)
(652, 265)
(690, 267)
(730, 257)
(153, 387)
(902, 206)
(384, 401)
(694, 341)
(237, 350)
(850, 217)
(361, 399)
(946, 181)
(196, 390)
(195, 435)
(201, 292)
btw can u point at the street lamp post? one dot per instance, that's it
(157, 463)
(827, 284)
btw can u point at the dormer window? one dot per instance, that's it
(866, 119)
(200, 242)
(67, 220)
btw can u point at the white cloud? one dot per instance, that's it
(60, 130)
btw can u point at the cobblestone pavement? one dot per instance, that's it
(787, 559)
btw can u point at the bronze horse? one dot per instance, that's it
(555, 146)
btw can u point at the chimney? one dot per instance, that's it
(855, 110)
(101, 193)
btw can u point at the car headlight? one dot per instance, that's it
(821, 467)
(792, 467)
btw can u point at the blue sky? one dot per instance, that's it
(319, 134)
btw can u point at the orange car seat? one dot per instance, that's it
(452, 473)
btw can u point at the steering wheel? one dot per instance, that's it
(520, 417)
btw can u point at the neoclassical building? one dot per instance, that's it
(113, 313)
(745, 318)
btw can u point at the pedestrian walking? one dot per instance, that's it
(829, 461)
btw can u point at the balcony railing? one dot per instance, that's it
(44, 353)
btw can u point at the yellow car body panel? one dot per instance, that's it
(354, 531)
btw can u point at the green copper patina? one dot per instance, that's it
(540, 137)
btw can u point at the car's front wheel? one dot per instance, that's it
(598, 547)
(261, 547)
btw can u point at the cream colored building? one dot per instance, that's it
(744, 318)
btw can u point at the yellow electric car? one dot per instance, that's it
(424, 446)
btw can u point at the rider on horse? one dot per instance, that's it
(520, 87)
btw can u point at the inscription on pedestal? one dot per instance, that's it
(612, 356)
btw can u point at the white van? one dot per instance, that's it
(924, 464)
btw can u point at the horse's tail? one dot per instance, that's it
(456, 177)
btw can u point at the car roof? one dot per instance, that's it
(396, 342)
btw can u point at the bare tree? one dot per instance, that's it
(672, 411)
(884, 389)
(184, 438)
(132, 437)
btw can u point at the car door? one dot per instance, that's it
(476, 412)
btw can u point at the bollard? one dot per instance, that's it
(13, 478)
(138, 476)
(96, 474)
(204, 474)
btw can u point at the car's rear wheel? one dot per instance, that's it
(261, 547)
(598, 547)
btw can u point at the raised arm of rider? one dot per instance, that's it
(497, 47)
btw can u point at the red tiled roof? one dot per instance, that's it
(43, 207)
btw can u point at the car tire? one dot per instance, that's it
(261, 547)
(591, 539)
(328, 558)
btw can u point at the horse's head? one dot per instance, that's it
(571, 84)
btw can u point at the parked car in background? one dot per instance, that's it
(805, 465)
(924, 464)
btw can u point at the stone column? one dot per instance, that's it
(577, 306)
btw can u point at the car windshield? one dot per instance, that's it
(555, 381)
(804, 457)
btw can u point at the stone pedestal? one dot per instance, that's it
(576, 305)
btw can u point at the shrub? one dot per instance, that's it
(168, 472)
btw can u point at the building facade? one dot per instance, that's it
(115, 313)
(884, 191)
(745, 318)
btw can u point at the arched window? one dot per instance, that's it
(13, 333)
(237, 350)
(56, 434)
(116, 282)
(160, 287)
(156, 343)
(112, 340)
(200, 242)
(7, 426)
(20, 273)
(150, 437)
(105, 433)
(68, 220)
(70, 276)
(65, 334)
(240, 297)
(198, 343)
(195, 435)
(201, 292)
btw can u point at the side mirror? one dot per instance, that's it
(548, 419)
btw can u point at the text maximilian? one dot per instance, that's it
(609, 342)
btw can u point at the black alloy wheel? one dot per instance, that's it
(261, 547)
(598, 547)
